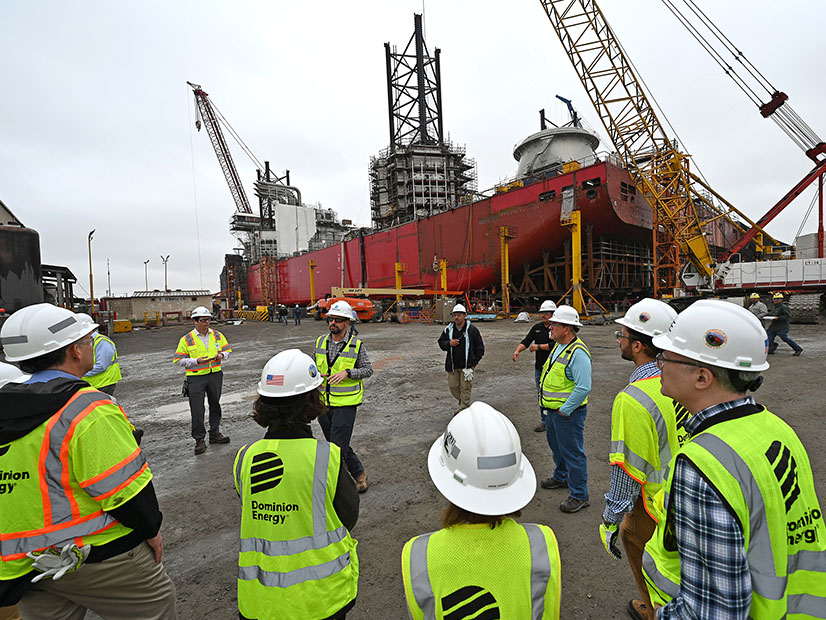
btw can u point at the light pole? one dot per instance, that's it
(91, 279)
(165, 281)
(146, 274)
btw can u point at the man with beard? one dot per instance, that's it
(343, 362)
(644, 435)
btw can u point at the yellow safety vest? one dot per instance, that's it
(644, 435)
(555, 386)
(510, 571)
(192, 346)
(761, 471)
(56, 490)
(350, 391)
(297, 559)
(110, 375)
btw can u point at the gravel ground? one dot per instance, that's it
(407, 405)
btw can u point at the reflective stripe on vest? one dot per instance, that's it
(348, 391)
(759, 551)
(61, 521)
(320, 539)
(652, 473)
(735, 479)
(285, 580)
(422, 587)
(113, 480)
(216, 342)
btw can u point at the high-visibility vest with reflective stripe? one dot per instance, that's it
(192, 346)
(349, 391)
(110, 375)
(761, 471)
(644, 436)
(556, 387)
(510, 571)
(297, 559)
(61, 478)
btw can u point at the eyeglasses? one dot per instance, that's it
(88, 341)
(335, 319)
(661, 360)
(618, 334)
(203, 320)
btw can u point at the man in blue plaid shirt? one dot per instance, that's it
(744, 535)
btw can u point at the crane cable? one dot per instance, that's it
(784, 116)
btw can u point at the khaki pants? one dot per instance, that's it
(128, 586)
(9, 613)
(635, 530)
(460, 387)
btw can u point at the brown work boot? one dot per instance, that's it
(361, 482)
(218, 438)
(540, 428)
(200, 446)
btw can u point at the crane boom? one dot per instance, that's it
(660, 170)
(216, 136)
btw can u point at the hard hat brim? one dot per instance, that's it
(490, 502)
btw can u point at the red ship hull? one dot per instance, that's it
(468, 239)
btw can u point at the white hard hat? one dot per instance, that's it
(458, 308)
(547, 306)
(39, 329)
(650, 317)
(718, 333)
(478, 464)
(85, 317)
(200, 311)
(341, 309)
(289, 373)
(567, 315)
(11, 374)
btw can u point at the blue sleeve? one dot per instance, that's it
(579, 369)
(104, 354)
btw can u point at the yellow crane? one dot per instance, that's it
(684, 211)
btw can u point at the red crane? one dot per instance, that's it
(205, 111)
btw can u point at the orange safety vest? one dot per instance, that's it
(57, 490)
(192, 346)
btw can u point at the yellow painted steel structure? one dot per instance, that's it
(661, 172)
(312, 265)
(573, 222)
(506, 233)
(400, 268)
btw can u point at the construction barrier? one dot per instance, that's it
(251, 315)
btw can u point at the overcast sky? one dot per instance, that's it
(97, 122)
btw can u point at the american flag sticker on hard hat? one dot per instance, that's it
(275, 380)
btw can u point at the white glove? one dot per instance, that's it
(55, 564)
(468, 374)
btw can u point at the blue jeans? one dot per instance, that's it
(784, 336)
(566, 438)
(537, 377)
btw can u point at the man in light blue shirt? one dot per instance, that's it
(566, 383)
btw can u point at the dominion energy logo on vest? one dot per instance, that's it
(467, 602)
(266, 473)
(800, 528)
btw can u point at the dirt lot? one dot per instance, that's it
(407, 405)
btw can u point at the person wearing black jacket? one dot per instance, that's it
(539, 341)
(100, 517)
(465, 348)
